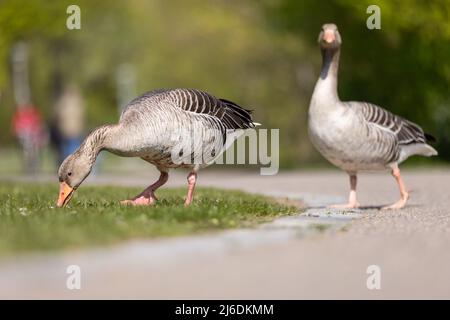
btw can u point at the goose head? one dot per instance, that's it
(329, 37)
(72, 172)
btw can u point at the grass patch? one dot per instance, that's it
(29, 220)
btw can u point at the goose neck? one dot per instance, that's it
(328, 80)
(95, 142)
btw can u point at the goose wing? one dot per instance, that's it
(230, 114)
(405, 131)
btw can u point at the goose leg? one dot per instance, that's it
(147, 197)
(404, 195)
(352, 202)
(192, 179)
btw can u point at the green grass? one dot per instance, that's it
(30, 221)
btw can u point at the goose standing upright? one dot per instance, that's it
(359, 136)
(167, 128)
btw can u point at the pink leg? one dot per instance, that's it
(192, 179)
(403, 192)
(352, 202)
(147, 197)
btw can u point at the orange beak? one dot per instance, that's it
(65, 194)
(329, 36)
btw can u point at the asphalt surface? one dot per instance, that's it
(318, 254)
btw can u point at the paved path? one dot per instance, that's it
(283, 259)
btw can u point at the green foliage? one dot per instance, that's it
(262, 55)
(30, 221)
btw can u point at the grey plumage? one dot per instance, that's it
(406, 131)
(228, 113)
(168, 128)
(155, 123)
(357, 136)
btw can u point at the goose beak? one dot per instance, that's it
(65, 194)
(329, 36)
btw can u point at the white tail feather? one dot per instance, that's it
(416, 149)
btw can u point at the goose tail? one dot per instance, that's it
(421, 149)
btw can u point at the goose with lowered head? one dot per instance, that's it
(168, 128)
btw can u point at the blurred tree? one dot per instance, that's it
(56, 53)
(224, 47)
(262, 55)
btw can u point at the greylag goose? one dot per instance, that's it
(359, 136)
(167, 128)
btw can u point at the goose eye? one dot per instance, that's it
(69, 174)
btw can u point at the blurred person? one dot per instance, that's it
(26, 122)
(68, 122)
(29, 129)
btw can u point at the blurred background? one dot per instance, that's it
(58, 84)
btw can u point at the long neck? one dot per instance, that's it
(95, 142)
(326, 86)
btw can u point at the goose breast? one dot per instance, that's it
(343, 138)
